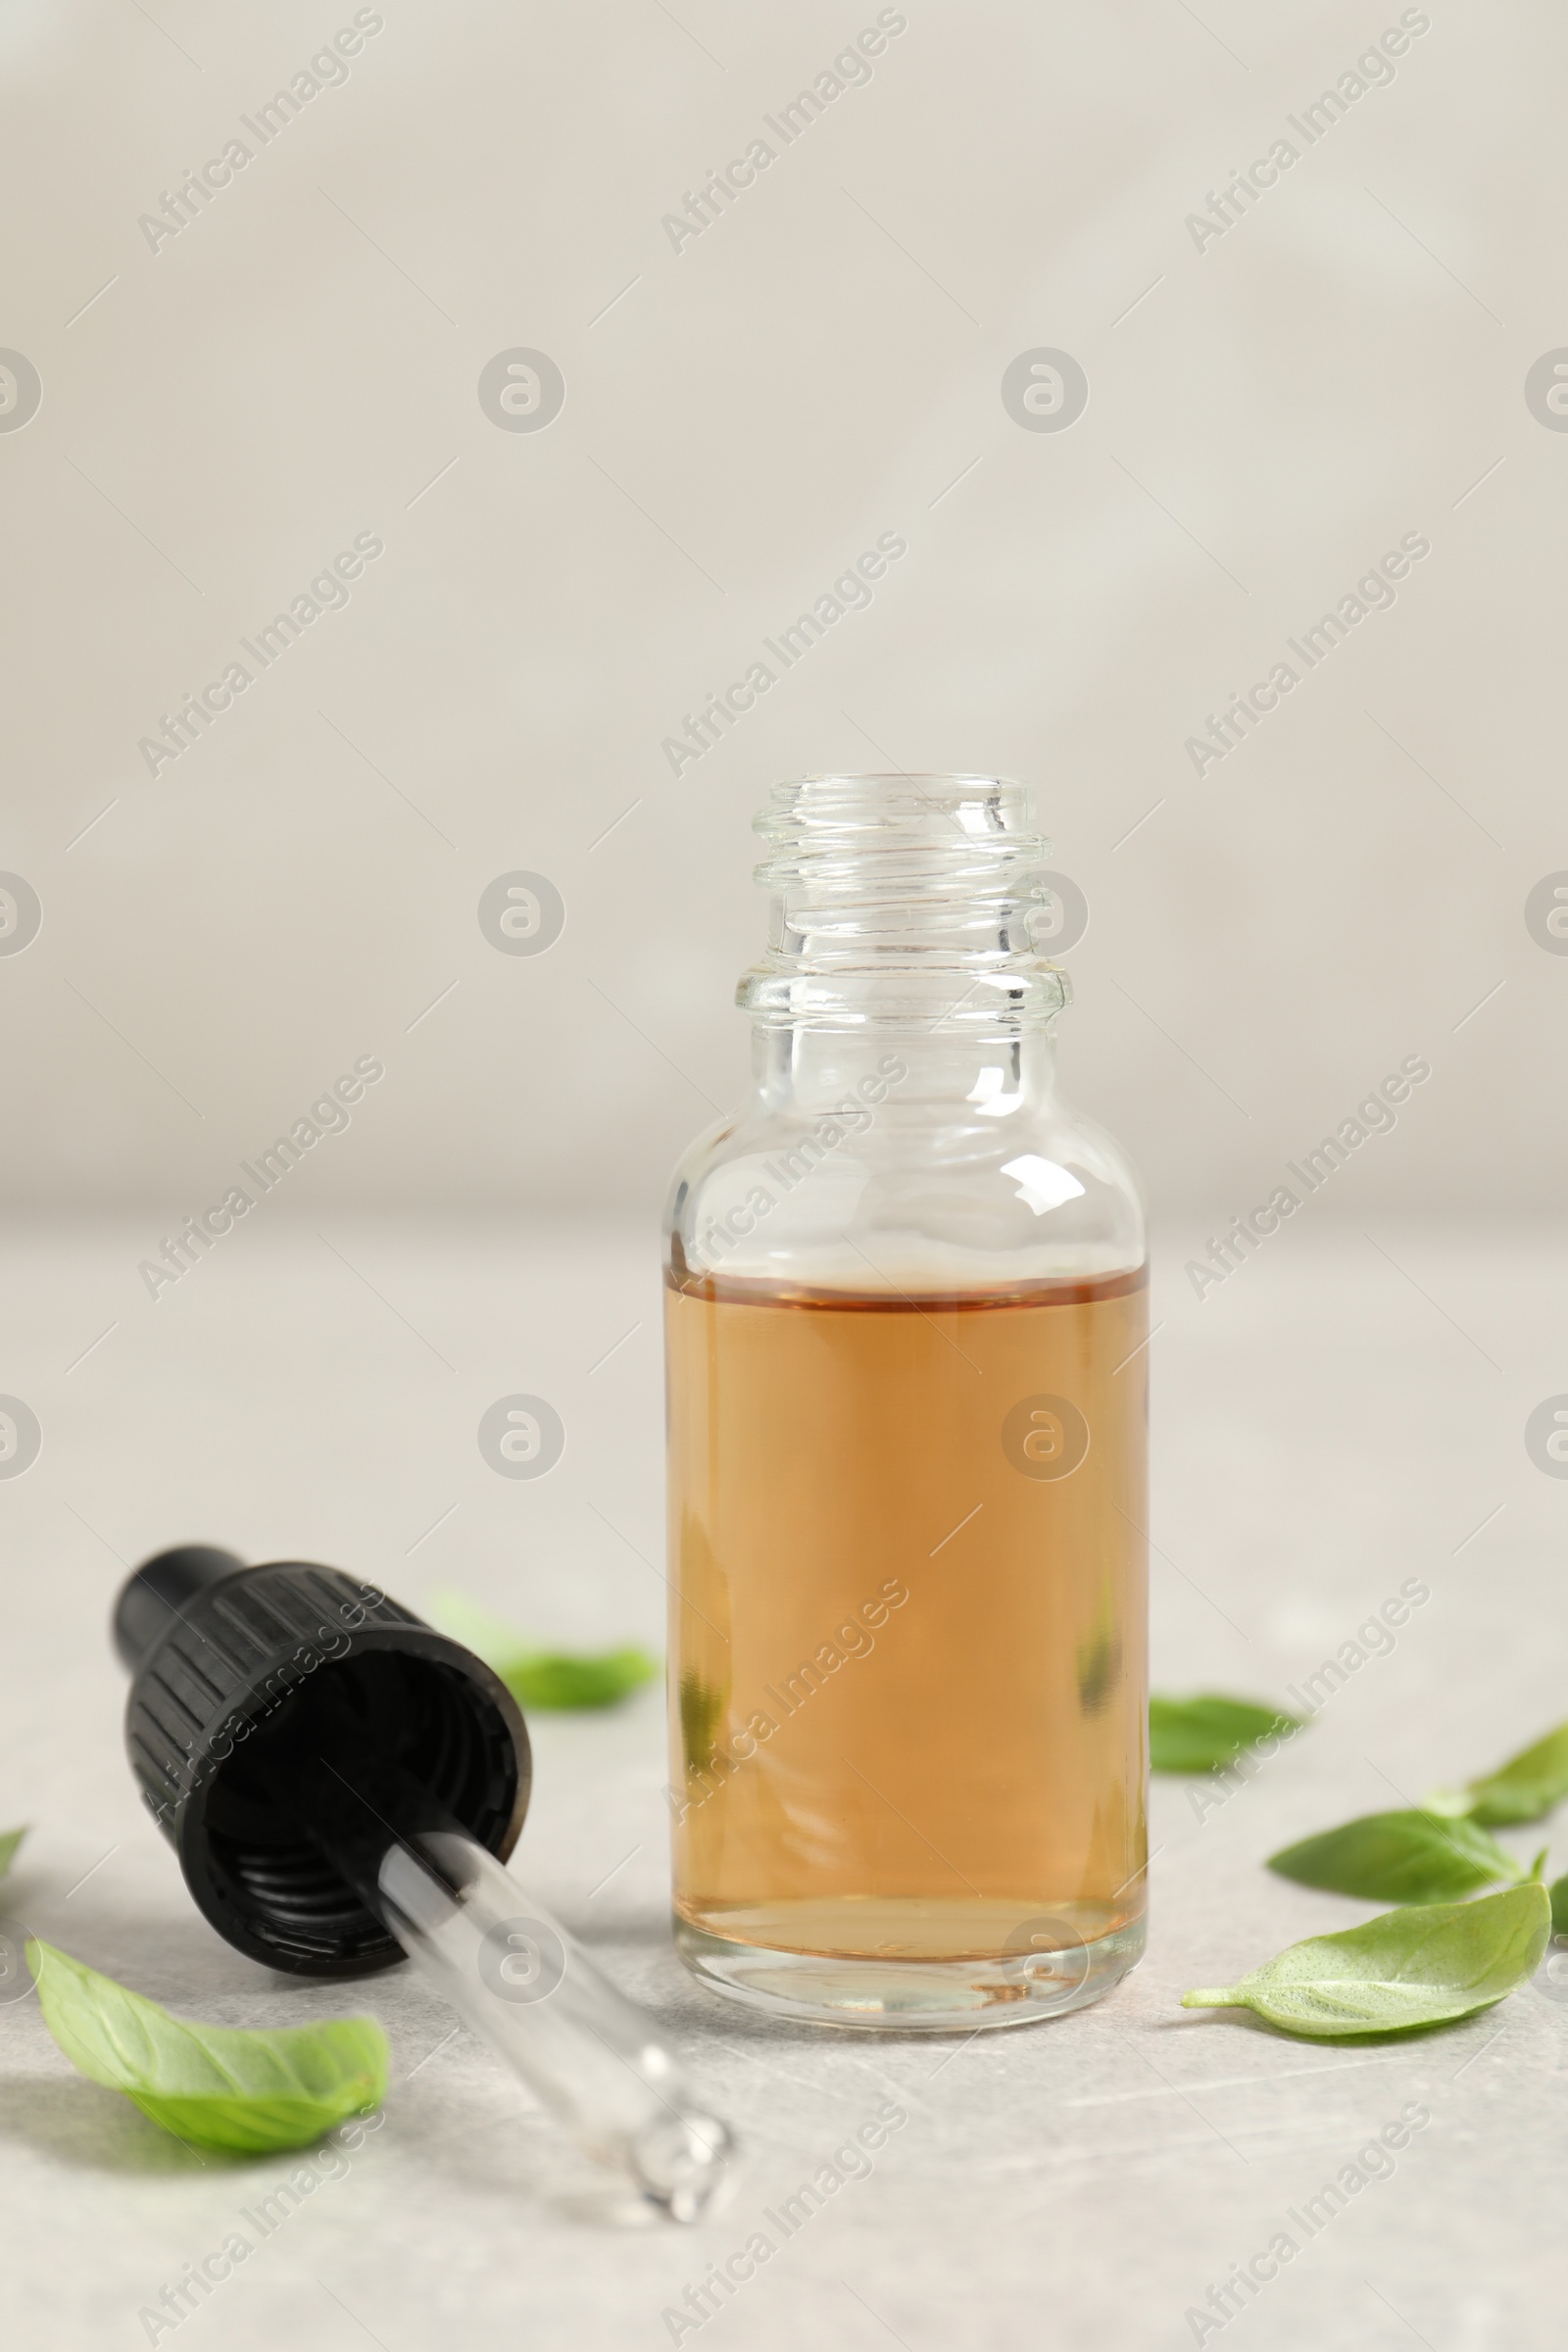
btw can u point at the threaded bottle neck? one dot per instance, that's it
(903, 901)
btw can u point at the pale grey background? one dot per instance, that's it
(301, 888)
(1340, 368)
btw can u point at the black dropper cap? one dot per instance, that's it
(257, 1696)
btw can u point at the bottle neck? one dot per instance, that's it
(904, 906)
(808, 1073)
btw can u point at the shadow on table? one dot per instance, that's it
(79, 2123)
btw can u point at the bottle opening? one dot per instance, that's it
(903, 898)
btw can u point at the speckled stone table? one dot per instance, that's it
(1342, 1417)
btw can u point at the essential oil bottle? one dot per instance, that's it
(905, 1322)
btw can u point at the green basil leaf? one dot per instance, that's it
(544, 1678)
(1399, 1858)
(1528, 1786)
(1558, 1896)
(1202, 1735)
(213, 2086)
(1419, 1967)
(702, 1711)
(558, 1679)
(9, 1843)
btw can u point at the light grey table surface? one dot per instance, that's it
(1345, 1415)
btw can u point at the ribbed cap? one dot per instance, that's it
(243, 1678)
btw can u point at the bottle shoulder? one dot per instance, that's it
(915, 1195)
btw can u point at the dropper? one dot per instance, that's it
(342, 1785)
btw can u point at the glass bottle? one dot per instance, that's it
(906, 1315)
